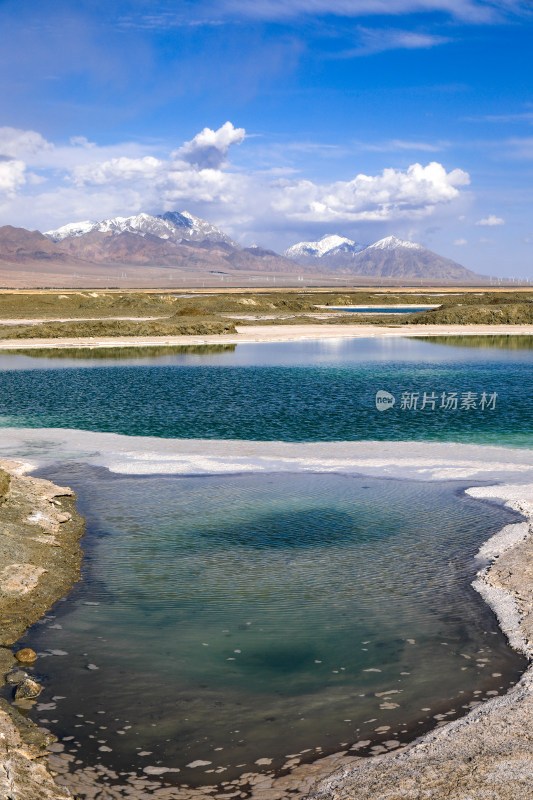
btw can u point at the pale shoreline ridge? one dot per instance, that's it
(247, 334)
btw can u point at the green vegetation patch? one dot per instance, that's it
(103, 328)
(495, 313)
(51, 305)
(191, 313)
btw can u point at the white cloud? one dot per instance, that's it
(165, 20)
(117, 170)
(394, 194)
(203, 186)
(481, 11)
(15, 142)
(209, 148)
(394, 145)
(460, 242)
(81, 141)
(94, 182)
(194, 172)
(492, 221)
(12, 175)
(67, 157)
(378, 40)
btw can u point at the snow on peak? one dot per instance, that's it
(318, 249)
(70, 229)
(328, 243)
(392, 243)
(174, 225)
(333, 244)
(195, 228)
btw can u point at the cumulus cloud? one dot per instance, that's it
(209, 148)
(117, 170)
(203, 186)
(85, 180)
(460, 242)
(12, 175)
(82, 141)
(196, 172)
(492, 221)
(393, 194)
(15, 142)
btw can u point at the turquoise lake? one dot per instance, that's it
(233, 618)
(294, 391)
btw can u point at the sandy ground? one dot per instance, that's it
(274, 333)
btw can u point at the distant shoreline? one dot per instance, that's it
(249, 334)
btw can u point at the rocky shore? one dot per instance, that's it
(40, 559)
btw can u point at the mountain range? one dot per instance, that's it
(174, 226)
(388, 258)
(331, 250)
(179, 241)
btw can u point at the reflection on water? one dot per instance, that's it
(122, 353)
(502, 341)
(229, 619)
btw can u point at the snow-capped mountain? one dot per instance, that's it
(173, 226)
(90, 251)
(392, 243)
(331, 244)
(328, 245)
(179, 238)
(395, 258)
(389, 257)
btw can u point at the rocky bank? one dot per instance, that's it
(40, 559)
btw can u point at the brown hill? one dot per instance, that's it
(148, 250)
(19, 246)
(96, 258)
(410, 263)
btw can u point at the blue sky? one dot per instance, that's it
(278, 120)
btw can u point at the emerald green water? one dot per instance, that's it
(294, 391)
(229, 619)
